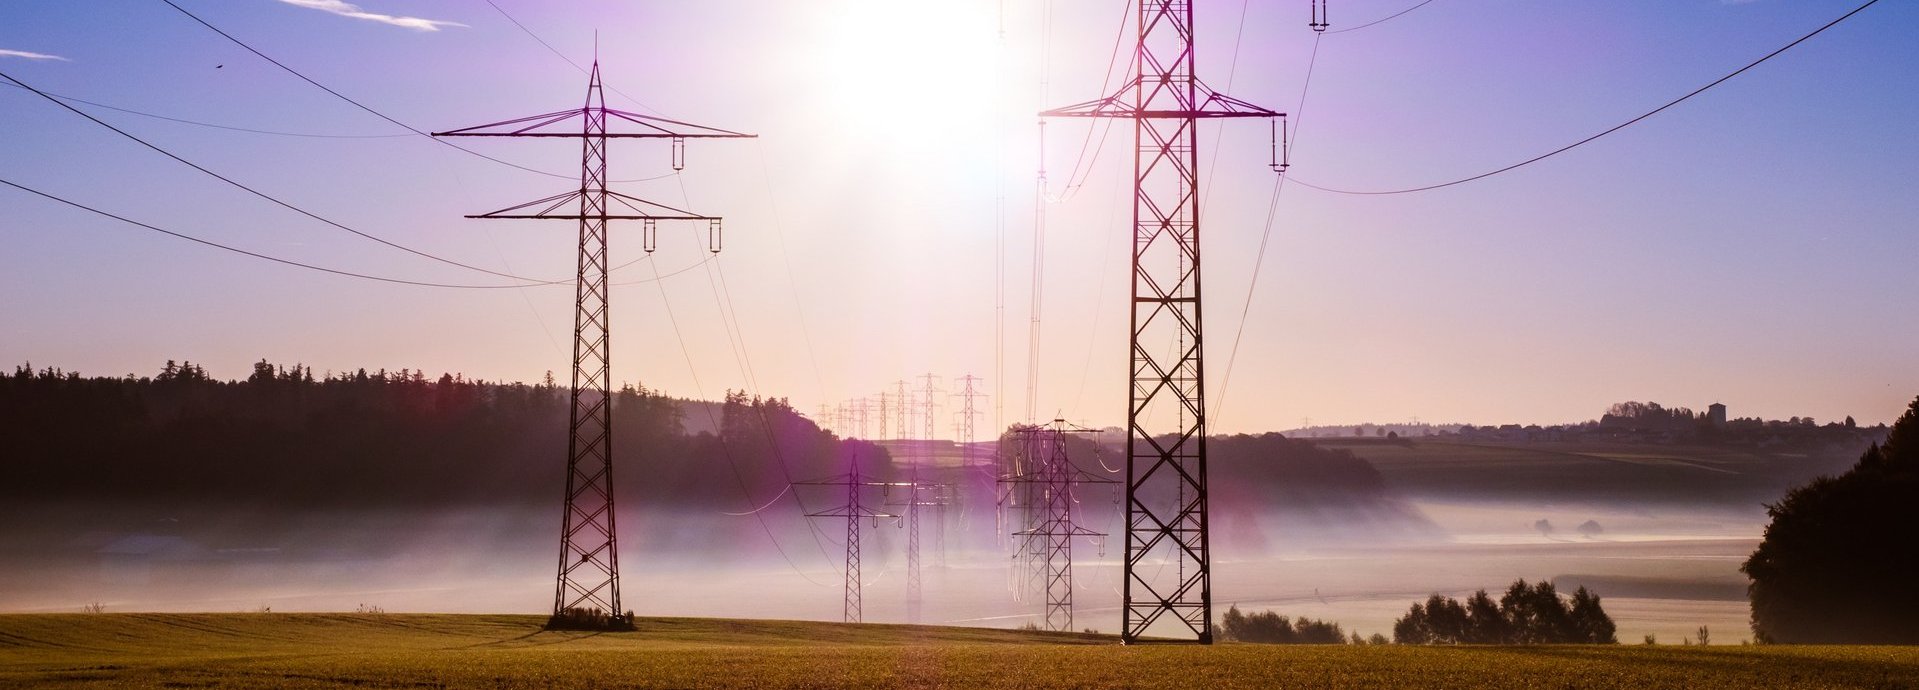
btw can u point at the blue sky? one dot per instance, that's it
(1751, 246)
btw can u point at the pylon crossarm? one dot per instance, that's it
(1214, 105)
(538, 120)
(538, 126)
(629, 201)
(556, 207)
(704, 132)
(1085, 477)
(1104, 107)
(861, 514)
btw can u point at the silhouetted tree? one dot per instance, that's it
(1840, 557)
(1526, 614)
(1267, 627)
(1590, 623)
(1485, 624)
(1413, 628)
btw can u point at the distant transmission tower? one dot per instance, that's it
(1047, 541)
(1018, 506)
(970, 465)
(969, 412)
(589, 569)
(853, 510)
(1166, 500)
(929, 396)
(899, 412)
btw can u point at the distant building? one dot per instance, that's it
(1716, 413)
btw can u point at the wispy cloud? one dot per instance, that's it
(30, 56)
(347, 9)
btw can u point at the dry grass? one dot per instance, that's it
(396, 650)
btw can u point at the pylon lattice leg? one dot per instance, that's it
(589, 571)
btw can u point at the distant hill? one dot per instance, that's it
(1597, 472)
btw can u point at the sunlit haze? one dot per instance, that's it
(1751, 246)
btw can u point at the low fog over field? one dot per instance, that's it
(416, 495)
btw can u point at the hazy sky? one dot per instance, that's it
(1752, 246)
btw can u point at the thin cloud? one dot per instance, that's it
(30, 56)
(347, 9)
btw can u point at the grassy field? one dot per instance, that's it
(397, 650)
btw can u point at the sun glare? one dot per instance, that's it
(910, 73)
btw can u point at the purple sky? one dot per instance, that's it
(1752, 246)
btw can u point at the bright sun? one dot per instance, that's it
(910, 71)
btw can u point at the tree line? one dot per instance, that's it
(286, 438)
(1525, 614)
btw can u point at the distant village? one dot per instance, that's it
(1632, 422)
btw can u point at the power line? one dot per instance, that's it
(364, 107)
(736, 340)
(266, 196)
(323, 269)
(1388, 18)
(198, 123)
(727, 449)
(1265, 235)
(786, 259)
(237, 250)
(1106, 128)
(1614, 128)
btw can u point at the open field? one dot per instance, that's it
(401, 650)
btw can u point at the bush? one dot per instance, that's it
(589, 619)
(1267, 627)
(1837, 564)
(1526, 614)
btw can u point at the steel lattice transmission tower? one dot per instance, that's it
(970, 469)
(853, 510)
(929, 392)
(899, 411)
(589, 567)
(1166, 500)
(1048, 540)
(968, 414)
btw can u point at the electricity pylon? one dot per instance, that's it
(589, 569)
(899, 412)
(853, 510)
(967, 414)
(919, 494)
(1166, 500)
(1047, 541)
(970, 471)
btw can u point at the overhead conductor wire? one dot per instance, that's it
(266, 196)
(376, 113)
(1610, 130)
